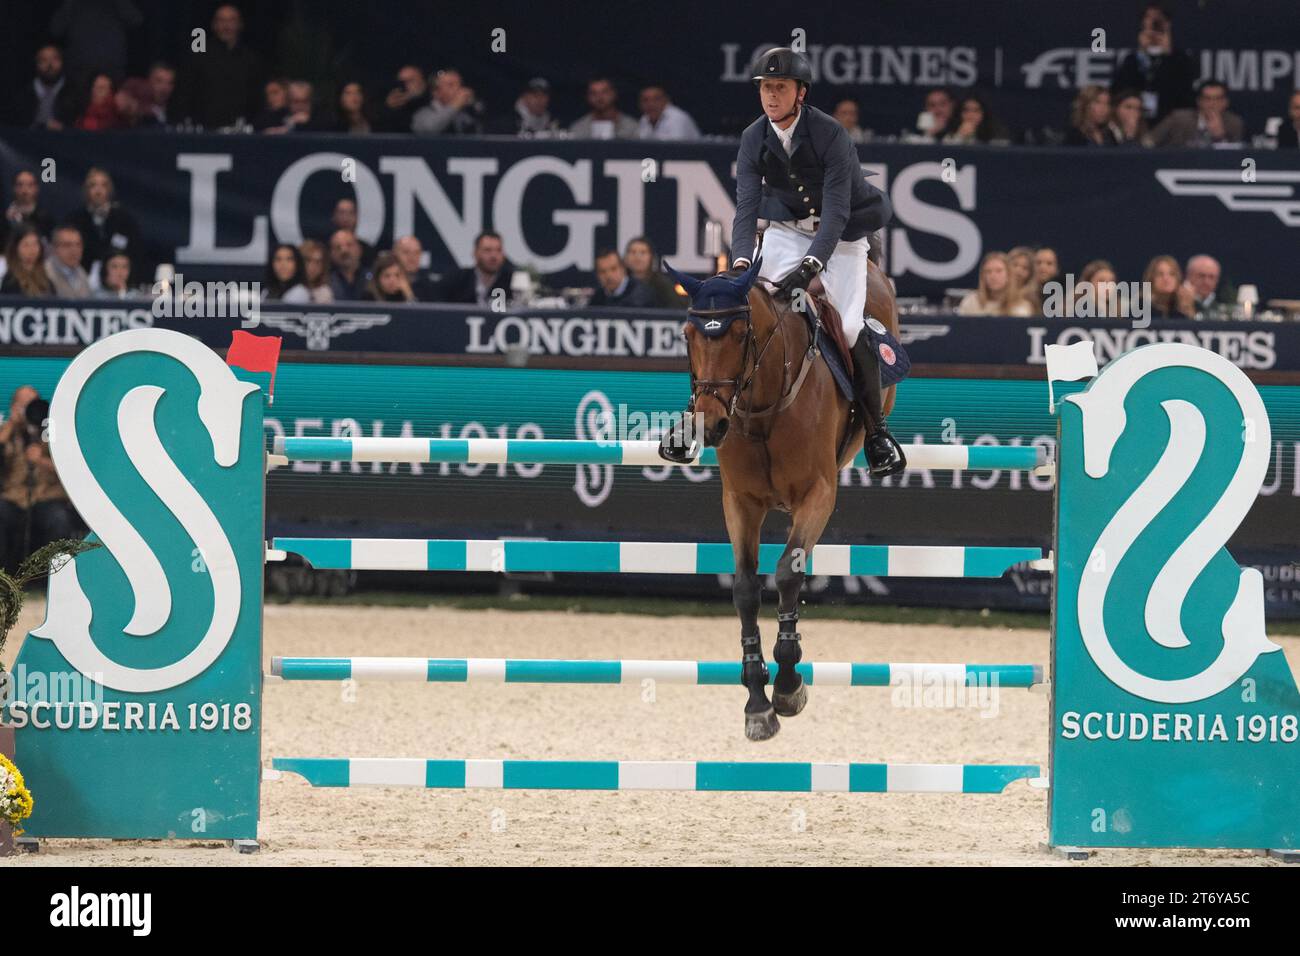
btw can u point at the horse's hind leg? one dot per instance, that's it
(789, 695)
(744, 521)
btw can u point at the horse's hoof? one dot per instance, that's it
(788, 705)
(762, 726)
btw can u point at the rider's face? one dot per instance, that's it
(778, 97)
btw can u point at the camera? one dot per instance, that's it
(35, 414)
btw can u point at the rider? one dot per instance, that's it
(798, 169)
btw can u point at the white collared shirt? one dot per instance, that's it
(674, 123)
(786, 136)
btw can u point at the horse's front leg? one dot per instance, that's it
(789, 695)
(744, 521)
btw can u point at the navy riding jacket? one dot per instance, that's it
(821, 179)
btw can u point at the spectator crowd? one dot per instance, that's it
(1028, 282)
(1153, 99)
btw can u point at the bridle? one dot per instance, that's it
(744, 379)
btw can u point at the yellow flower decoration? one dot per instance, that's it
(15, 798)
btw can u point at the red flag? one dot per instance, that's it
(255, 353)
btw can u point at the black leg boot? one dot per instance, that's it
(884, 454)
(675, 446)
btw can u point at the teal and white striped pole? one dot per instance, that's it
(544, 451)
(475, 670)
(641, 557)
(655, 775)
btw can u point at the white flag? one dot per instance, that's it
(1069, 363)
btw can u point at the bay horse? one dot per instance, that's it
(783, 430)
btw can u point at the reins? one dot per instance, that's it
(744, 380)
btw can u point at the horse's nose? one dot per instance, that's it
(713, 436)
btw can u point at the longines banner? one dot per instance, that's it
(215, 205)
(620, 334)
(683, 503)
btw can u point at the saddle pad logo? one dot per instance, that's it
(712, 324)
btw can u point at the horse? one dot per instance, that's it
(762, 396)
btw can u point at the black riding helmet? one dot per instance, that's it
(783, 63)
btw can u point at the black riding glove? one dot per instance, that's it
(800, 277)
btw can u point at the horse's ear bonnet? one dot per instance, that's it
(718, 301)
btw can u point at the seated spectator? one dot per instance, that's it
(274, 115)
(67, 278)
(643, 264)
(1021, 260)
(489, 273)
(115, 278)
(532, 112)
(452, 109)
(26, 208)
(389, 283)
(34, 508)
(617, 288)
(409, 252)
(48, 101)
(1161, 75)
(604, 121)
(1047, 267)
(1210, 124)
(283, 281)
(1170, 299)
(939, 118)
(1099, 275)
(162, 85)
(223, 82)
(403, 100)
(846, 114)
(106, 226)
(1203, 274)
(353, 111)
(997, 293)
(1288, 136)
(347, 276)
(102, 108)
(315, 271)
(976, 124)
(150, 97)
(303, 116)
(1128, 124)
(345, 218)
(1090, 119)
(662, 119)
(25, 264)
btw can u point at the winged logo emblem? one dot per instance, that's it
(319, 328)
(919, 332)
(1271, 191)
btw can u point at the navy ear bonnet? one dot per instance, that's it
(717, 294)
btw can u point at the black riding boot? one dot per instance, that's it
(884, 454)
(675, 446)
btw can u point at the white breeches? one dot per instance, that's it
(844, 278)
